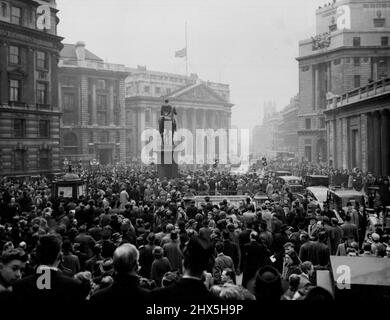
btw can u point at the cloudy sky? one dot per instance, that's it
(249, 44)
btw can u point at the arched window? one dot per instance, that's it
(71, 144)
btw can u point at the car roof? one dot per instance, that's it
(287, 178)
(347, 192)
(317, 176)
(317, 190)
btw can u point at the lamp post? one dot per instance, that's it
(67, 165)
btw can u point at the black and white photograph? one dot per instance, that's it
(190, 158)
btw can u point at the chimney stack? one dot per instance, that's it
(80, 50)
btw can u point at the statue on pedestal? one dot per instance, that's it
(167, 116)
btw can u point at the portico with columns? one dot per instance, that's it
(197, 105)
(358, 124)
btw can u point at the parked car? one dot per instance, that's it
(293, 183)
(260, 198)
(319, 194)
(275, 174)
(338, 199)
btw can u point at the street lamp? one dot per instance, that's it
(67, 163)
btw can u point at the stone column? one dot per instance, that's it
(121, 100)
(385, 148)
(344, 134)
(111, 104)
(184, 120)
(229, 120)
(61, 108)
(4, 94)
(339, 143)
(204, 120)
(330, 133)
(377, 143)
(317, 87)
(375, 69)
(194, 120)
(370, 143)
(29, 82)
(363, 142)
(84, 100)
(93, 96)
(329, 76)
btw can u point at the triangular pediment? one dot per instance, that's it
(199, 93)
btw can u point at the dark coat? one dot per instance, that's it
(350, 230)
(186, 290)
(315, 252)
(125, 292)
(173, 253)
(254, 257)
(232, 250)
(64, 290)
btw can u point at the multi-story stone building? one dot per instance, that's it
(92, 101)
(358, 125)
(199, 104)
(351, 48)
(29, 112)
(265, 137)
(288, 127)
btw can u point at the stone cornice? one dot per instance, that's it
(74, 70)
(362, 106)
(29, 36)
(29, 111)
(179, 103)
(374, 51)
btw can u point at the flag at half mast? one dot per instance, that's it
(181, 53)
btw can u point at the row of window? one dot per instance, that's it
(157, 90)
(16, 88)
(15, 13)
(101, 84)
(161, 78)
(71, 141)
(70, 110)
(20, 128)
(357, 41)
(16, 53)
(20, 160)
(308, 123)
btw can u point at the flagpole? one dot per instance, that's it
(186, 50)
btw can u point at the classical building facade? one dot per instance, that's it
(199, 104)
(92, 101)
(29, 112)
(350, 49)
(288, 133)
(358, 126)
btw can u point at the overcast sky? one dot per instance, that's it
(249, 44)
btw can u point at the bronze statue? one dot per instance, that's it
(167, 113)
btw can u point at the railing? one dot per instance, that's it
(93, 65)
(372, 89)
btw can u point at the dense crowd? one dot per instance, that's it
(135, 236)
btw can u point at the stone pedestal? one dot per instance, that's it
(166, 165)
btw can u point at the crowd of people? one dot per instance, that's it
(134, 237)
(354, 178)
